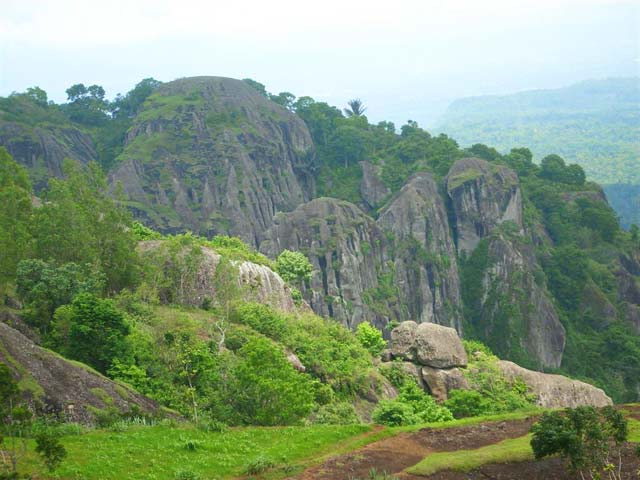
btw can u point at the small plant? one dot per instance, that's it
(191, 445)
(258, 465)
(48, 446)
(186, 474)
(370, 338)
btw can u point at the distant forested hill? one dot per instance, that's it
(595, 123)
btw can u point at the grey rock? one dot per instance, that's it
(439, 346)
(555, 391)
(403, 341)
(373, 191)
(483, 195)
(440, 382)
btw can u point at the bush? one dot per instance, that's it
(341, 413)
(370, 338)
(48, 446)
(397, 375)
(261, 318)
(258, 465)
(589, 439)
(293, 266)
(412, 406)
(466, 403)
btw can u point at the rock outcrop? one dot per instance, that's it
(555, 391)
(424, 254)
(516, 313)
(372, 189)
(483, 195)
(258, 282)
(43, 149)
(54, 385)
(347, 251)
(214, 155)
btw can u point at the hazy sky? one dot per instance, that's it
(404, 59)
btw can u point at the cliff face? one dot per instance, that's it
(348, 253)
(424, 254)
(483, 196)
(43, 149)
(213, 155)
(513, 309)
(402, 266)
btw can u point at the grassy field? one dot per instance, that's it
(186, 453)
(511, 450)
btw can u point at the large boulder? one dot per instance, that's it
(483, 195)
(428, 344)
(54, 385)
(439, 346)
(372, 189)
(555, 391)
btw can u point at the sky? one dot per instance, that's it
(406, 59)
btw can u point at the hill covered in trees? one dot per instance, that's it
(396, 225)
(595, 124)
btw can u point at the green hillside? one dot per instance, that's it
(594, 123)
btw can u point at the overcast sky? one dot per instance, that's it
(403, 58)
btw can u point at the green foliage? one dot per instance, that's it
(91, 330)
(258, 465)
(261, 318)
(412, 406)
(266, 389)
(293, 266)
(337, 413)
(587, 438)
(43, 287)
(50, 449)
(256, 86)
(466, 403)
(15, 215)
(370, 338)
(235, 249)
(141, 232)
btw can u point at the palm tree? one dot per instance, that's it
(356, 108)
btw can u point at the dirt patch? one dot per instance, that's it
(394, 454)
(546, 469)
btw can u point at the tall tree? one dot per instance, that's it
(356, 108)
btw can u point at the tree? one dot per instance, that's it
(48, 446)
(293, 266)
(589, 439)
(267, 389)
(15, 216)
(356, 108)
(38, 95)
(91, 330)
(370, 338)
(285, 99)
(256, 86)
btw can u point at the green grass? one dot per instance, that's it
(511, 450)
(634, 430)
(159, 452)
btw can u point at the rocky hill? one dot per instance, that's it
(528, 259)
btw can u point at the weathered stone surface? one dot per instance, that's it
(43, 149)
(439, 346)
(440, 382)
(347, 251)
(483, 195)
(403, 341)
(424, 254)
(230, 159)
(61, 387)
(555, 391)
(373, 191)
(516, 312)
(414, 370)
(295, 362)
(259, 282)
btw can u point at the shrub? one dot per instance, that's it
(341, 413)
(412, 406)
(589, 439)
(397, 375)
(394, 413)
(466, 403)
(370, 338)
(48, 446)
(186, 474)
(261, 318)
(293, 266)
(258, 465)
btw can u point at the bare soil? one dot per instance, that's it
(393, 455)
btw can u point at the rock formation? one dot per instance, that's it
(214, 155)
(58, 386)
(483, 196)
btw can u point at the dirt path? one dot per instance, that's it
(393, 455)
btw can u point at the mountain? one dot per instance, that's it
(528, 259)
(595, 123)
